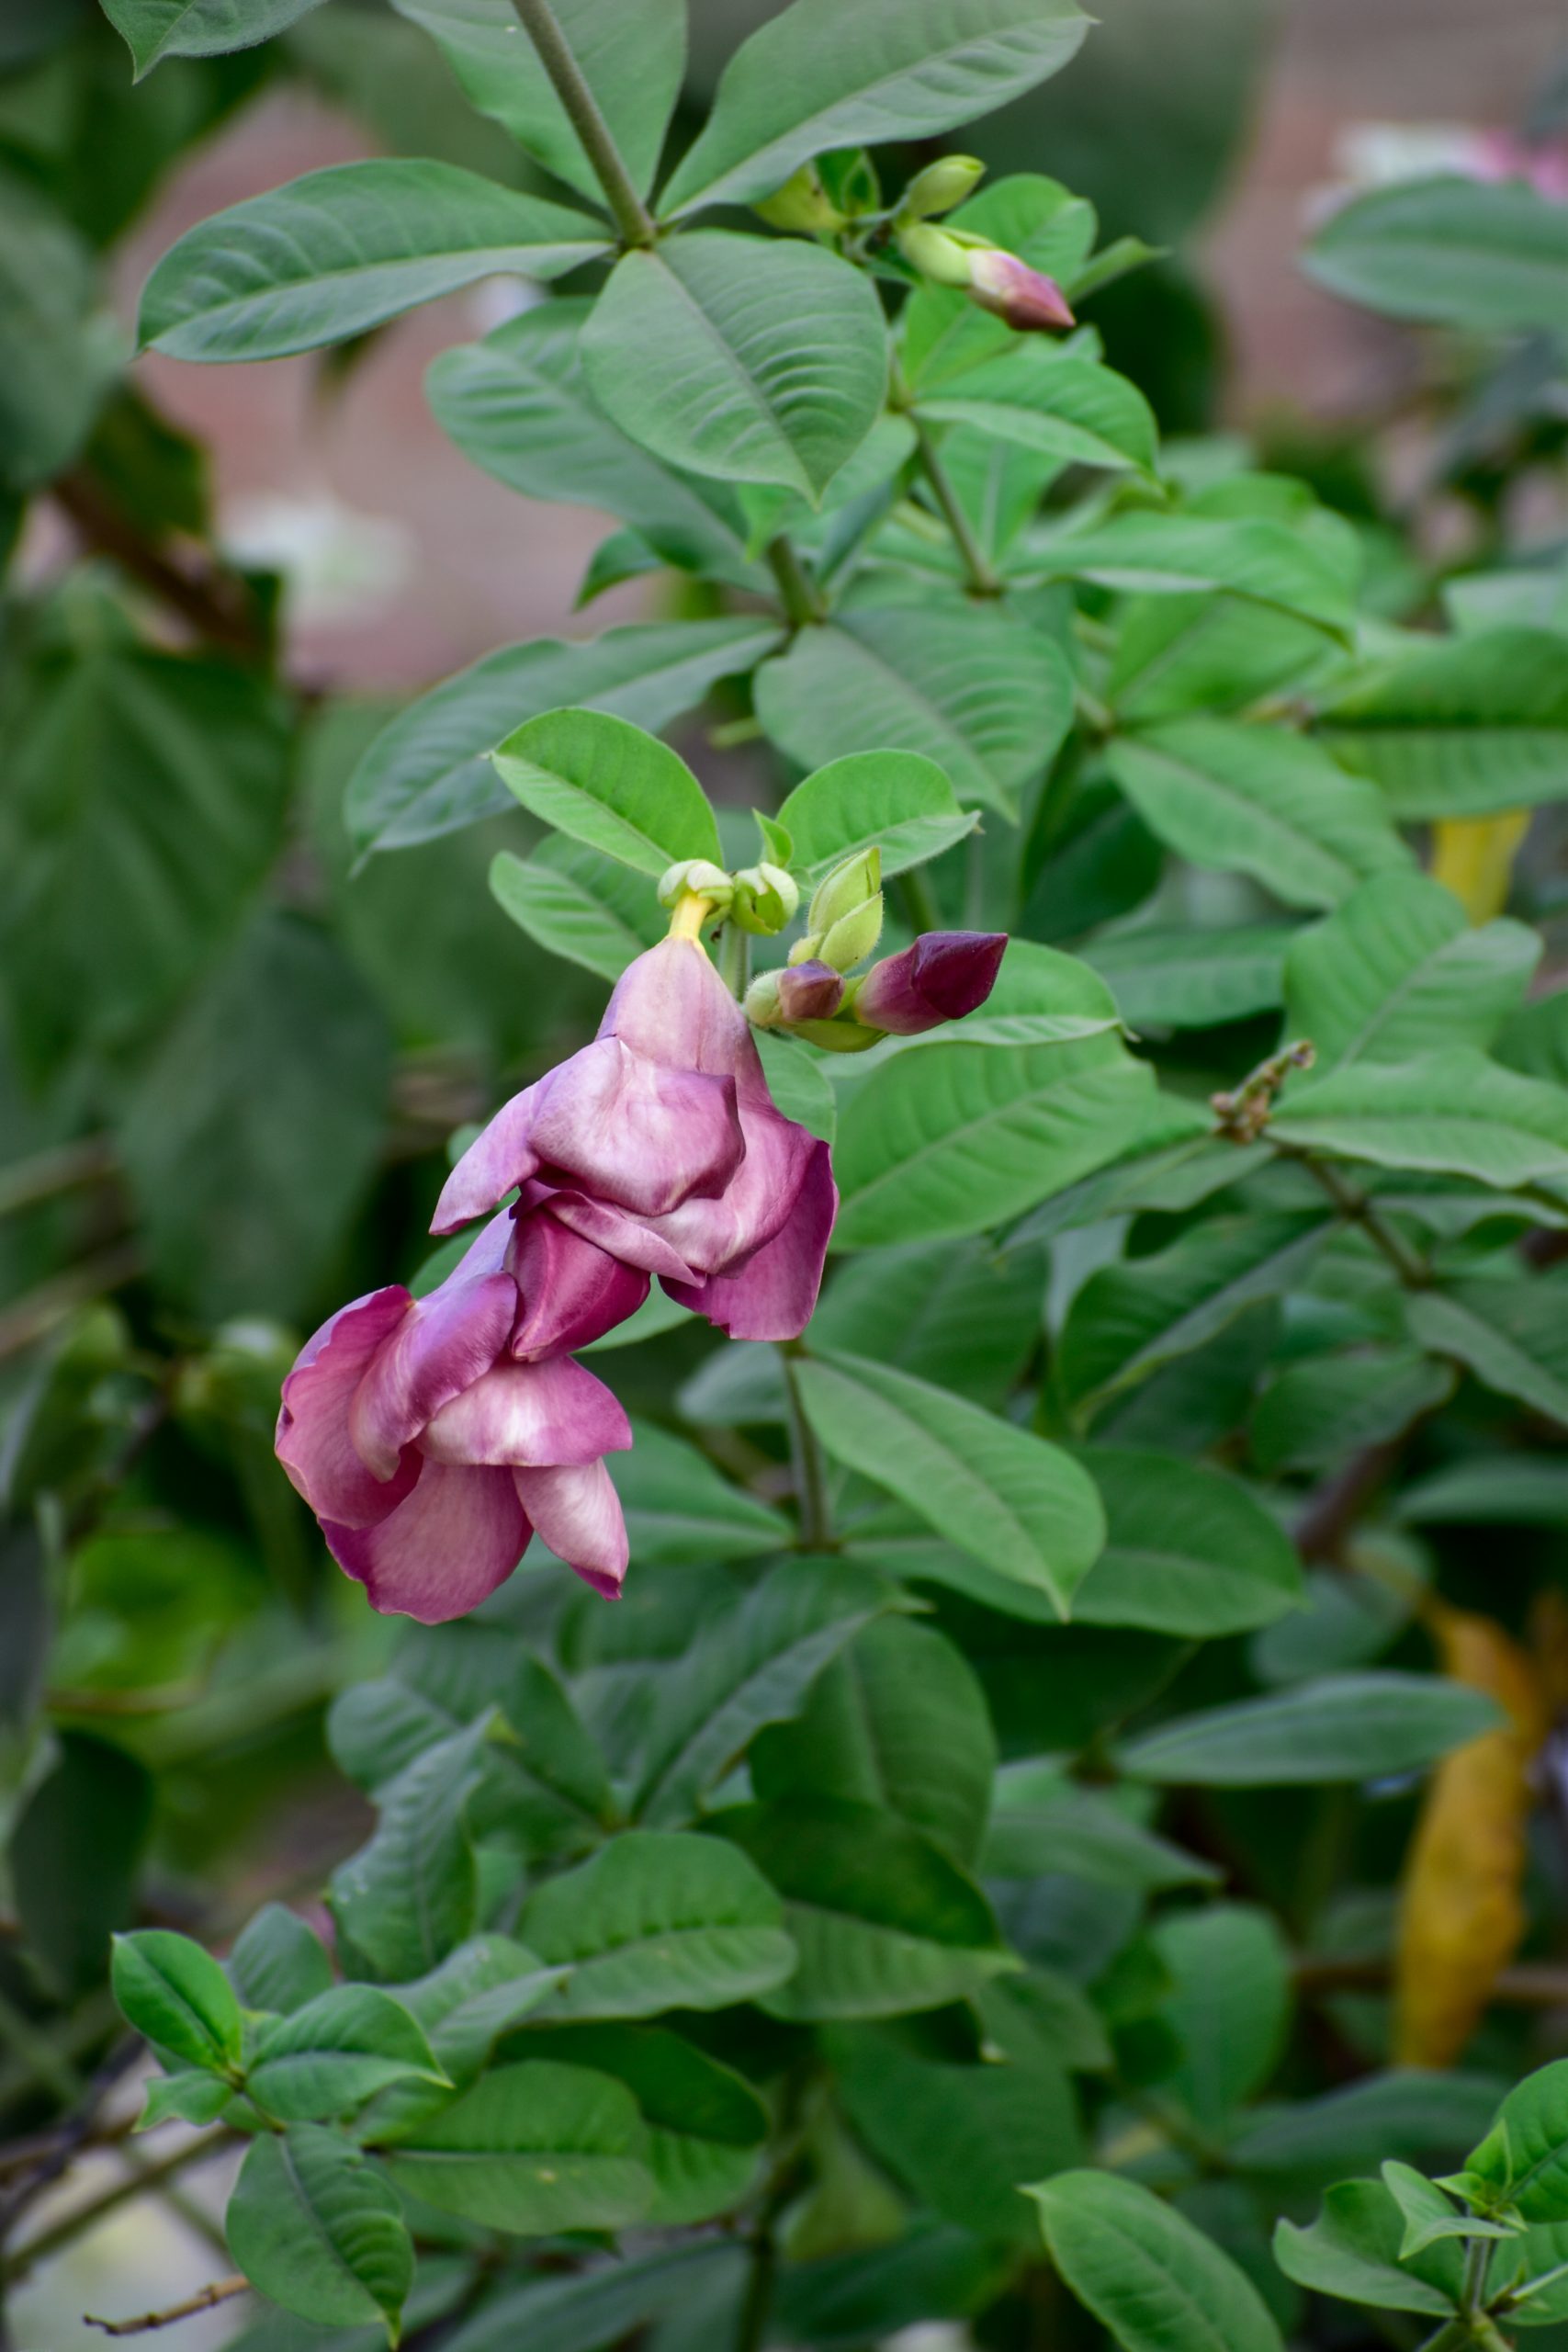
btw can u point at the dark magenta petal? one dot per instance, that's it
(637, 1132)
(443, 1342)
(625, 1237)
(499, 1158)
(810, 991)
(529, 1415)
(578, 1513)
(457, 1535)
(1029, 301)
(569, 1290)
(313, 1441)
(712, 1235)
(772, 1295)
(943, 975)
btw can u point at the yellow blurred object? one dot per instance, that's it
(1461, 1911)
(1473, 857)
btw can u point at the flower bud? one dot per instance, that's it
(850, 939)
(809, 991)
(766, 898)
(937, 254)
(941, 186)
(803, 205)
(943, 975)
(761, 1007)
(849, 884)
(1027, 300)
(839, 1036)
(698, 875)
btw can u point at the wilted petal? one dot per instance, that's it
(710, 1235)
(500, 1156)
(578, 1513)
(636, 1131)
(943, 975)
(772, 1295)
(313, 1441)
(443, 1342)
(444, 1550)
(529, 1415)
(571, 1292)
(672, 1006)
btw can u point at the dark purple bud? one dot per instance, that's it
(810, 991)
(943, 975)
(1027, 300)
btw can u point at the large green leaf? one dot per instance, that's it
(1512, 1335)
(631, 53)
(1397, 970)
(584, 2310)
(1046, 1824)
(157, 29)
(959, 1313)
(836, 72)
(1187, 1550)
(1455, 1113)
(611, 785)
(1407, 2112)
(1181, 979)
(428, 772)
(657, 1920)
(1265, 562)
(1256, 800)
(1072, 410)
(883, 1921)
(1217, 653)
(978, 691)
(1464, 728)
(750, 362)
(705, 2124)
(1229, 2006)
(1343, 1727)
(680, 1510)
(335, 2052)
(411, 1896)
(342, 250)
(1463, 252)
(1155, 2282)
(479, 1992)
(315, 2226)
(578, 904)
(898, 800)
(753, 1666)
(532, 2149)
(1322, 1411)
(1022, 1508)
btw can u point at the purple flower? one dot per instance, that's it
(1026, 299)
(943, 975)
(432, 1437)
(659, 1147)
(811, 990)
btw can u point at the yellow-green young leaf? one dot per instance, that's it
(530, 2148)
(611, 785)
(158, 29)
(341, 251)
(1187, 1550)
(1072, 410)
(1467, 728)
(898, 800)
(1460, 251)
(1340, 1728)
(1147, 2274)
(177, 1997)
(314, 2225)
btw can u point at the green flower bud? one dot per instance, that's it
(766, 898)
(851, 939)
(763, 1001)
(850, 884)
(839, 1036)
(693, 874)
(802, 205)
(941, 186)
(937, 254)
(805, 949)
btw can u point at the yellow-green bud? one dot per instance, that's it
(766, 898)
(693, 874)
(804, 949)
(938, 253)
(941, 186)
(841, 1037)
(851, 939)
(762, 1000)
(802, 205)
(850, 884)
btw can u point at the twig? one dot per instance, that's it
(632, 216)
(798, 592)
(982, 578)
(1530, 1984)
(217, 604)
(136, 2184)
(1356, 1209)
(1333, 1509)
(221, 2291)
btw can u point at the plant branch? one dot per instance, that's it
(51, 1173)
(810, 1470)
(798, 592)
(216, 603)
(581, 107)
(981, 577)
(221, 2291)
(136, 2184)
(1356, 1209)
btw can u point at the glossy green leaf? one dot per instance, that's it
(1452, 1113)
(962, 1313)
(192, 2096)
(1173, 554)
(152, 29)
(410, 1897)
(1187, 1550)
(1192, 979)
(746, 361)
(176, 1994)
(1072, 410)
(578, 904)
(1428, 2214)
(1424, 2115)
(832, 74)
(1397, 970)
(1022, 1506)
(1047, 1825)
(1322, 1411)
(1467, 727)
(898, 800)
(705, 2124)
(679, 1510)
(278, 1963)
(530, 2148)
(1512, 1335)
(1524, 2157)
(1229, 2006)
(1153, 2279)
(610, 785)
(1460, 251)
(335, 2052)
(313, 2224)
(1352, 2250)
(1345, 1727)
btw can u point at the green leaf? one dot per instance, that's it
(1046, 1826)
(1468, 727)
(799, 1088)
(410, 1897)
(1022, 1508)
(340, 251)
(752, 362)
(631, 53)
(531, 2149)
(944, 333)
(1410, 2112)
(883, 1921)
(1187, 1550)
(176, 1996)
(1454, 1112)
(751, 1666)
(585, 2310)
(1072, 410)
(657, 1920)
(898, 800)
(1192, 979)
(335, 2052)
(1345, 1727)
(832, 74)
(1153, 554)
(60, 354)
(278, 1963)
(577, 905)
(959, 1313)
(1525, 2155)
(429, 771)
(705, 2124)
(1256, 800)
(1229, 2006)
(972, 688)
(610, 785)
(1397, 970)
(193, 2097)
(680, 1510)
(1153, 2280)
(158, 29)
(479, 1992)
(1458, 250)
(1314, 1414)
(314, 2225)
(1515, 1489)
(78, 1836)
(1429, 2215)
(1212, 653)
(1512, 1335)
(898, 1720)
(1353, 2250)
(246, 1158)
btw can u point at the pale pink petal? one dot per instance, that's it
(530, 1415)
(672, 1006)
(443, 1342)
(772, 1295)
(578, 1513)
(714, 1235)
(499, 1158)
(457, 1535)
(627, 1237)
(571, 1292)
(635, 1131)
(313, 1441)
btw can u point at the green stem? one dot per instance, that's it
(810, 1470)
(983, 581)
(797, 590)
(1477, 2263)
(734, 959)
(752, 2327)
(632, 216)
(1356, 1209)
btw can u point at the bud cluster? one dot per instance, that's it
(999, 281)
(761, 898)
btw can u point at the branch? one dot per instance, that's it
(136, 2184)
(581, 107)
(216, 603)
(983, 579)
(220, 2291)
(797, 590)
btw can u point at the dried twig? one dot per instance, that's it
(208, 2298)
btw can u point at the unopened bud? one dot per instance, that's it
(1027, 300)
(765, 899)
(762, 1006)
(850, 884)
(698, 875)
(803, 205)
(940, 254)
(943, 975)
(809, 991)
(941, 186)
(841, 1037)
(850, 939)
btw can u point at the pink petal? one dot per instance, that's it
(313, 1443)
(458, 1534)
(571, 1291)
(578, 1512)
(672, 1006)
(712, 1235)
(529, 1415)
(627, 1237)
(499, 1158)
(772, 1295)
(443, 1345)
(636, 1131)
